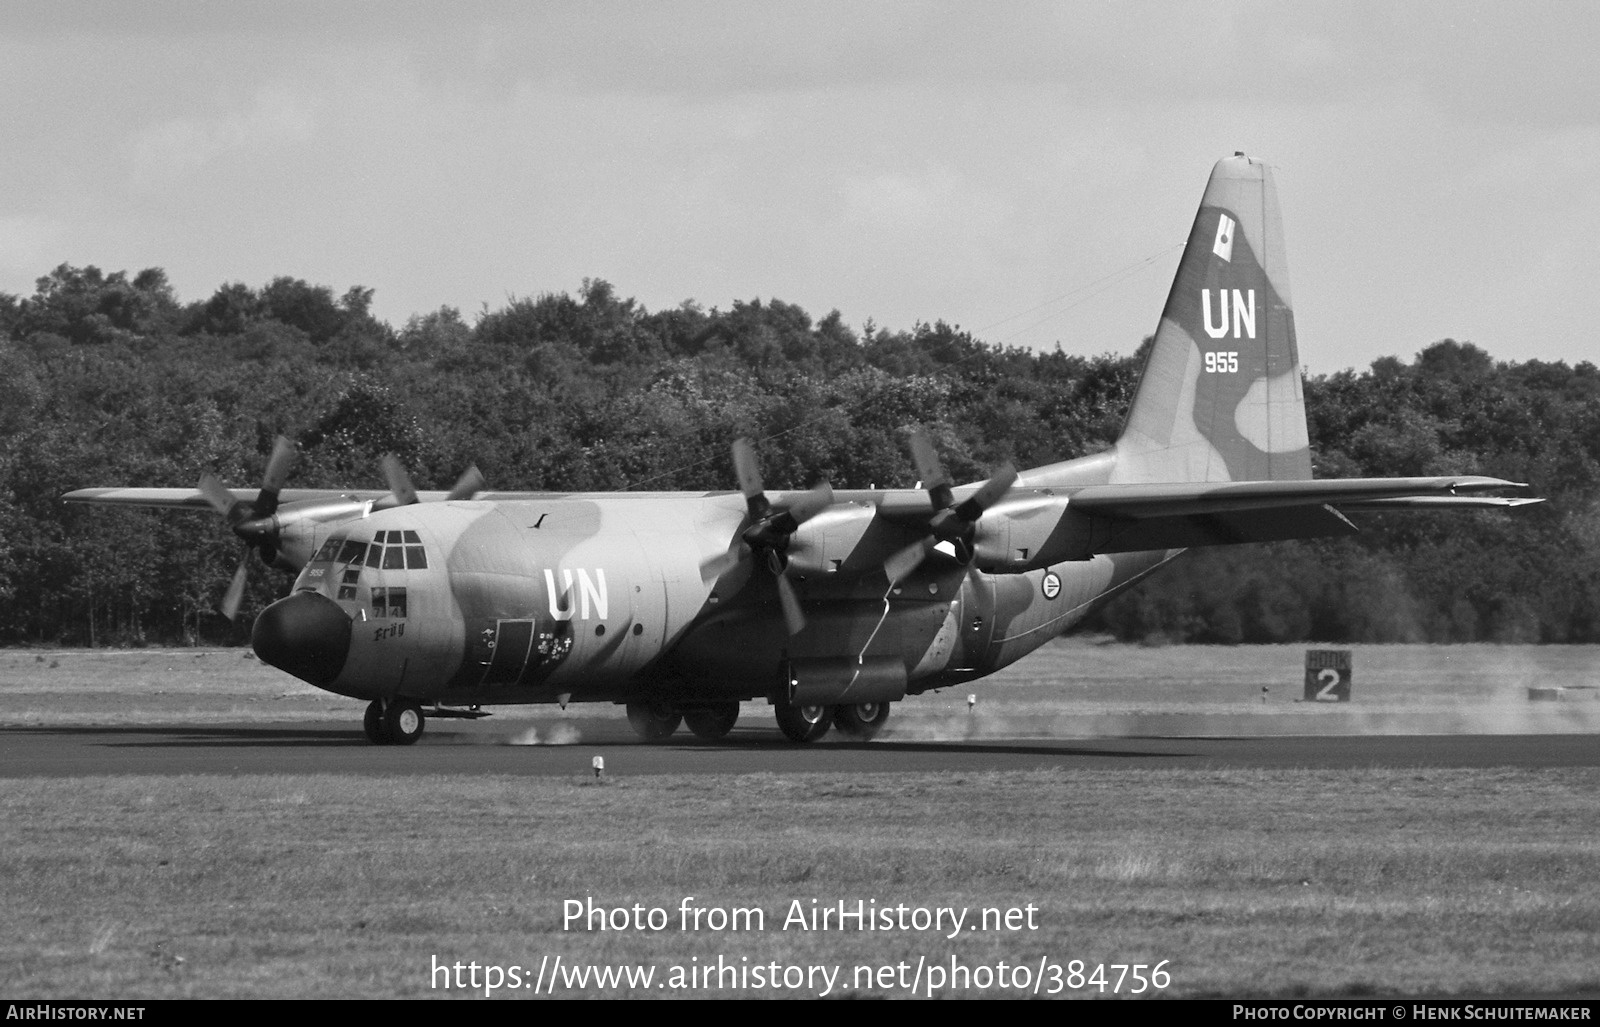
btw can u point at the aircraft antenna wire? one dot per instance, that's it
(1084, 293)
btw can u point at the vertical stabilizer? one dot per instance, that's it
(1220, 398)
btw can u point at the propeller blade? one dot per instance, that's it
(231, 601)
(930, 469)
(988, 494)
(468, 485)
(277, 473)
(394, 472)
(810, 503)
(793, 618)
(901, 564)
(746, 468)
(220, 498)
(718, 565)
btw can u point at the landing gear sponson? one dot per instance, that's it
(656, 722)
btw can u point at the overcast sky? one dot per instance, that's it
(1025, 170)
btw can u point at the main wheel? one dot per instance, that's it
(402, 722)
(803, 723)
(372, 723)
(862, 720)
(652, 721)
(712, 722)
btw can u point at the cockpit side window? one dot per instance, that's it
(389, 603)
(352, 552)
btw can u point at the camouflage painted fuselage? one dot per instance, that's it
(598, 598)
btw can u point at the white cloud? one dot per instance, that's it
(171, 150)
(24, 240)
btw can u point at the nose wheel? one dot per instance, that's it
(393, 722)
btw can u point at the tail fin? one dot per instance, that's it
(1220, 398)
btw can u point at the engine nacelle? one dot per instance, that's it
(839, 540)
(1031, 532)
(299, 528)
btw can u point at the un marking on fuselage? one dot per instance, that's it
(1050, 586)
(1244, 313)
(591, 594)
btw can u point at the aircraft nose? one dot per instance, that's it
(305, 634)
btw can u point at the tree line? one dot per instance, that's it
(112, 380)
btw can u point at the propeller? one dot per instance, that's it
(956, 523)
(259, 523)
(252, 521)
(770, 530)
(468, 485)
(403, 493)
(394, 472)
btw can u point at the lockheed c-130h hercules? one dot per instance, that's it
(830, 605)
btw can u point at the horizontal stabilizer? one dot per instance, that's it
(1221, 529)
(1442, 503)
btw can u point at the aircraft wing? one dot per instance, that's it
(191, 499)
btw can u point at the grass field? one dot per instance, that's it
(1239, 883)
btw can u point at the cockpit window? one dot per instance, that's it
(398, 551)
(389, 602)
(389, 551)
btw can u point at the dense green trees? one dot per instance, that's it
(112, 380)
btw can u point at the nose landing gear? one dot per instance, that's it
(393, 722)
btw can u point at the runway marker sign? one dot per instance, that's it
(1327, 675)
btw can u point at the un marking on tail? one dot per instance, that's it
(1244, 313)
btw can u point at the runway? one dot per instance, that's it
(257, 748)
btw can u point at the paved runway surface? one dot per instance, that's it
(466, 748)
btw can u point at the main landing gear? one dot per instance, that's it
(710, 723)
(803, 723)
(653, 722)
(859, 722)
(393, 722)
(862, 720)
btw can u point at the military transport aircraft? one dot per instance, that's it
(830, 605)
